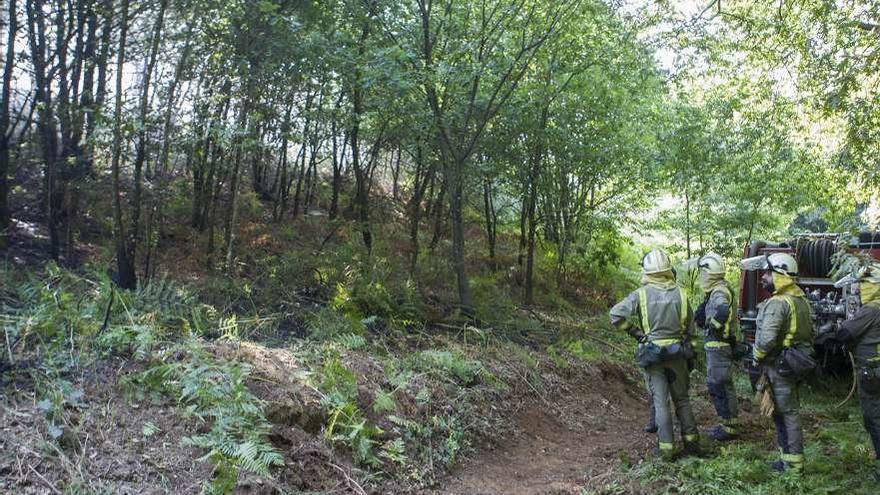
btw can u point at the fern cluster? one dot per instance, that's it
(215, 393)
(67, 319)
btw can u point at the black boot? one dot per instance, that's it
(777, 465)
(659, 454)
(720, 434)
(693, 449)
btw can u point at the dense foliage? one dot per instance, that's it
(554, 123)
(352, 179)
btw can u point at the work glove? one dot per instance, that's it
(842, 334)
(700, 315)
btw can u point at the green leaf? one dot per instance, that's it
(149, 429)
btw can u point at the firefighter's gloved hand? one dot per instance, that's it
(700, 315)
(741, 350)
(842, 334)
(826, 327)
(642, 338)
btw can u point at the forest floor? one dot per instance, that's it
(560, 445)
(560, 441)
(546, 403)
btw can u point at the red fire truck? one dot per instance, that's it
(830, 305)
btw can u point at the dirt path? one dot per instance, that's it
(560, 447)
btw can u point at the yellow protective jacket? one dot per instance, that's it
(783, 320)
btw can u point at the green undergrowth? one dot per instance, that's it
(400, 399)
(838, 458)
(593, 340)
(59, 324)
(402, 412)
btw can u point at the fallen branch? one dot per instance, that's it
(535, 390)
(605, 342)
(349, 481)
(329, 236)
(47, 482)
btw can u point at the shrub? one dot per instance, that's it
(491, 304)
(327, 323)
(449, 365)
(215, 394)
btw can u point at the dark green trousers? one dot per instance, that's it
(719, 381)
(869, 399)
(667, 381)
(786, 418)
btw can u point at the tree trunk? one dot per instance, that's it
(421, 181)
(48, 131)
(259, 179)
(395, 174)
(490, 216)
(523, 225)
(281, 175)
(456, 206)
(285, 191)
(5, 129)
(232, 212)
(300, 177)
(338, 162)
(531, 224)
(135, 235)
(687, 222)
(312, 188)
(104, 56)
(62, 174)
(439, 216)
(127, 278)
(535, 164)
(87, 99)
(362, 200)
(161, 167)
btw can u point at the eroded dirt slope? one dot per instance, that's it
(563, 443)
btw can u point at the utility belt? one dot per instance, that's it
(712, 335)
(739, 350)
(869, 378)
(663, 351)
(713, 341)
(796, 361)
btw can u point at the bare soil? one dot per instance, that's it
(104, 445)
(563, 445)
(565, 430)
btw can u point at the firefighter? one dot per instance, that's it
(784, 351)
(659, 317)
(862, 333)
(714, 316)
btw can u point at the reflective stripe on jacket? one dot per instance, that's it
(783, 321)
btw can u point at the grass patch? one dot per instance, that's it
(838, 458)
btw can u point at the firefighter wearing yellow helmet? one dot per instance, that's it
(862, 333)
(658, 315)
(714, 316)
(784, 351)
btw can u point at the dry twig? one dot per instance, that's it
(349, 481)
(47, 482)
